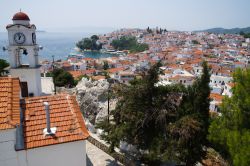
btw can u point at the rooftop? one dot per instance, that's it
(9, 103)
(65, 115)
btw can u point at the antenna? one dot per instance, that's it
(20, 10)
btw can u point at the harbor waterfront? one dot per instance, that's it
(58, 44)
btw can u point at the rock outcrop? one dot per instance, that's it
(92, 97)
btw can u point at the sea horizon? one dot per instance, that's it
(59, 44)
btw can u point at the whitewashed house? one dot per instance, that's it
(228, 89)
(219, 80)
(38, 131)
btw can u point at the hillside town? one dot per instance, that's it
(150, 107)
(181, 54)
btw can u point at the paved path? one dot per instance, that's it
(96, 157)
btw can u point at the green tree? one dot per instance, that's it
(94, 37)
(195, 42)
(230, 132)
(89, 43)
(242, 33)
(194, 114)
(63, 78)
(3, 64)
(156, 120)
(105, 65)
(247, 35)
(149, 30)
(129, 43)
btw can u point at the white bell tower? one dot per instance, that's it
(22, 42)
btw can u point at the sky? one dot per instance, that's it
(88, 15)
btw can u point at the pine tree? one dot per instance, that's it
(230, 132)
(167, 123)
(189, 132)
(3, 64)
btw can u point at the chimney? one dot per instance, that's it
(46, 104)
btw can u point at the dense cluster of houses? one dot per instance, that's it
(181, 54)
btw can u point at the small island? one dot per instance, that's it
(89, 44)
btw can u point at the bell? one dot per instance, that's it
(25, 52)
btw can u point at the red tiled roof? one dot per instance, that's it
(89, 71)
(9, 102)
(88, 59)
(66, 64)
(231, 84)
(114, 70)
(65, 115)
(216, 97)
(98, 77)
(76, 74)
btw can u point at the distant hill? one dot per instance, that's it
(228, 31)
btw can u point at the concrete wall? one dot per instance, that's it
(67, 154)
(31, 76)
(8, 155)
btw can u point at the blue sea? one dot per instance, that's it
(58, 44)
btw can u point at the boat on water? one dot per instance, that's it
(76, 55)
(109, 51)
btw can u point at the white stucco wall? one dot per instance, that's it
(32, 56)
(26, 31)
(47, 85)
(217, 80)
(32, 76)
(67, 154)
(227, 90)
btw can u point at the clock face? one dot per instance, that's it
(34, 38)
(19, 38)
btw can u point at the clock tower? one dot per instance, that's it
(22, 42)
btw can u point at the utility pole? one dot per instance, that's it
(109, 96)
(53, 67)
(108, 105)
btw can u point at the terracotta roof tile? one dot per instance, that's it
(65, 115)
(9, 102)
(216, 97)
(114, 70)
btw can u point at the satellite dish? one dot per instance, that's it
(4, 49)
(40, 47)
